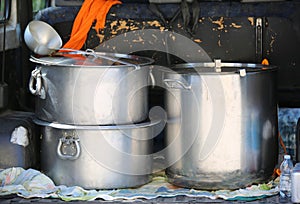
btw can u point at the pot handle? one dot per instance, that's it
(176, 84)
(152, 78)
(36, 77)
(66, 148)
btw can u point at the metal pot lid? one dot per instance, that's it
(78, 58)
(220, 67)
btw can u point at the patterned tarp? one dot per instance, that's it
(31, 183)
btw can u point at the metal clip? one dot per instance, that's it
(68, 147)
(218, 65)
(243, 72)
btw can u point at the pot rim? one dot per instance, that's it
(221, 67)
(61, 59)
(97, 127)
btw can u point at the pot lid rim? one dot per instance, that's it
(56, 125)
(222, 65)
(222, 68)
(111, 57)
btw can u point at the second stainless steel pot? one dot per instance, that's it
(97, 157)
(91, 88)
(222, 125)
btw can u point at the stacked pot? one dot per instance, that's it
(93, 110)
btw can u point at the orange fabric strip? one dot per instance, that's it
(90, 11)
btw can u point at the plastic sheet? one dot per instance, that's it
(32, 183)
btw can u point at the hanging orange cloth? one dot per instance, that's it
(90, 11)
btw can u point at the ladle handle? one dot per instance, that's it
(114, 59)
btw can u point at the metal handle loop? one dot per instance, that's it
(35, 77)
(68, 141)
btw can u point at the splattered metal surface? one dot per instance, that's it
(227, 31)
(122, 26)
(117, 27)
(214, 35)
(224, 30)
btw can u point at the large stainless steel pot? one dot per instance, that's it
(97, 157)
(222, 124)
(88, 88)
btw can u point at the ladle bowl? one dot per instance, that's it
(41, 38)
